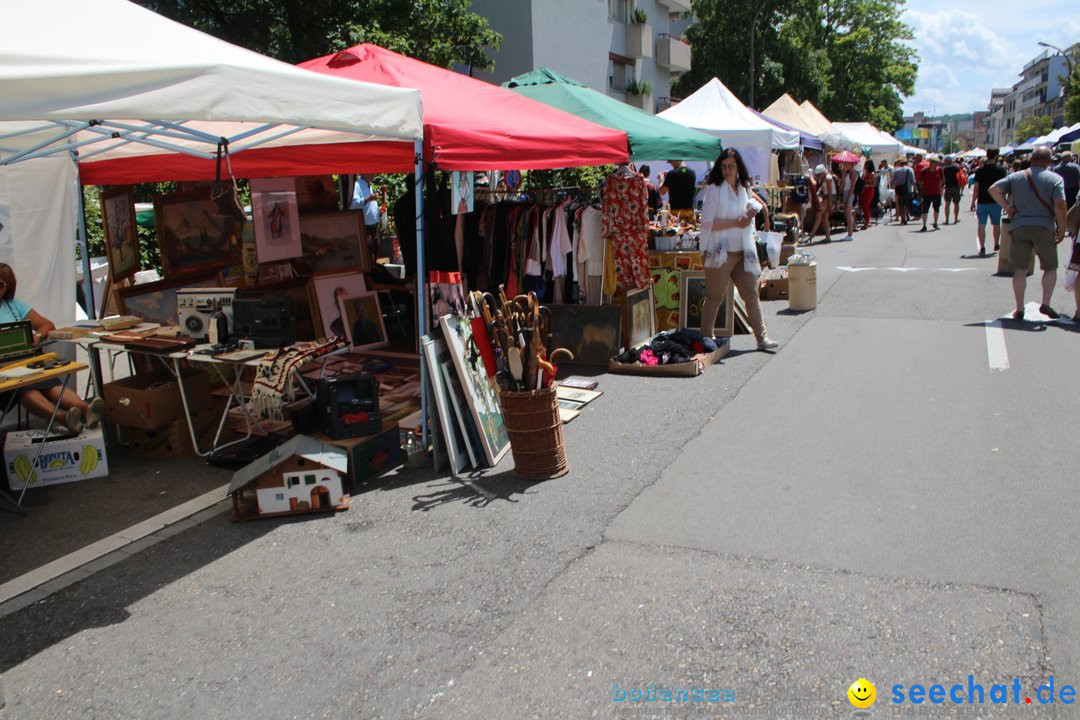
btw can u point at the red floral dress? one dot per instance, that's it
(626, 225)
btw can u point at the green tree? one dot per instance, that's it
(1033, 126)
(848, 57)
(441, 32)
(1072, 99)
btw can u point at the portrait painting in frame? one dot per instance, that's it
(276, 219)
(362, 317)
(692, 297)
(121, 237)
(325, 290)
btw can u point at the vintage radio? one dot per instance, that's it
(200, 311)
(348, 405)
(267, 320)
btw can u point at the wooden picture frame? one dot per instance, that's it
(317, 193)
(156, 301)
(196, 232)
(640, 316)
(323, 291)
(362, 317)
(691, 297)
(121, 236)
(436, 353)
(335, 241)
(665, 287)
(480, 390)
(275, 216)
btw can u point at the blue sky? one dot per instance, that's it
(966, 48)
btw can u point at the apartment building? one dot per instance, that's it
(601, 43)
(1040, 91)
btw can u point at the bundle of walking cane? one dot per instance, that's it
(512, 336)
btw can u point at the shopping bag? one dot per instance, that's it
(773, 243)
(915, 205)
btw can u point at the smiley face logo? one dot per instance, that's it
(862, 693)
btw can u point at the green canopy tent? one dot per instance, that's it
(651, 137)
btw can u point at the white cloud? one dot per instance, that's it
(963, 54)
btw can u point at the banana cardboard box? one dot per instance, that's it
(63, 459)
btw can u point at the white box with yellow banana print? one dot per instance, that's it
(63, 460)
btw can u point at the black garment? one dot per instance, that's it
(681, 183)
(986, 176)
(405, 222)
(654, 198)
(952, 173)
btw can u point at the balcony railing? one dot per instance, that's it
(672, 53)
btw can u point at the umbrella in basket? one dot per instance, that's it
(845, 157)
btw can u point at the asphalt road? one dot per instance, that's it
(873, 501)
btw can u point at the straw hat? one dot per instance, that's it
(819, 170)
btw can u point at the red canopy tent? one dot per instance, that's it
(473, 125)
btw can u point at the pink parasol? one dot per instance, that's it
(846, 157)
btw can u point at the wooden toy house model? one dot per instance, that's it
(300, 476)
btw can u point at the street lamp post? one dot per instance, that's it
(753, 32)
(1066, 86)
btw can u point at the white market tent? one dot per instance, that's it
(823, 128)
(715, 110)
(787, 111)
(1055, 136)
(866, 136)
(108, 92)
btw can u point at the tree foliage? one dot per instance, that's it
(441, 32)
(1033, 126)
(1072, 99)
(848, 57)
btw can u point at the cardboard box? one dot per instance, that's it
(370, 455)
(152, 400)
(173, 440)
(786, 251)
(687, 369)
(774, 284)
(64, 459)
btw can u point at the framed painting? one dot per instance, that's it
(325, 290)
(362, 317)
(121, 238)
(156, 302)
(197, 232)
(480, 390)
(665, 297)
(334, 241)
(692, 297)
(640, 316)
(592, 332)
(276, 218)
(317, 193)
(436, 354)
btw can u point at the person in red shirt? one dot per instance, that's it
(931, 182)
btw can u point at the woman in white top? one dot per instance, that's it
(727, 229)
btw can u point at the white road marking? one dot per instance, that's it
(996, 352)
(845, 268)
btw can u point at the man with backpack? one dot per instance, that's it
(903, 181)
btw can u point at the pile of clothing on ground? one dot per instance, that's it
(671, 347)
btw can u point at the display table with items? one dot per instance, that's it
(34, 458)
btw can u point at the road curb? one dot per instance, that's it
(62, 572)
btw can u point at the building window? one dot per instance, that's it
(619, 10)
(309, 479)
(619, 73)
(279, 496)
(289, 482)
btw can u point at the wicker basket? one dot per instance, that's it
(536, 436)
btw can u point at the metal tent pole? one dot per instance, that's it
(421, 297)
(84, 248)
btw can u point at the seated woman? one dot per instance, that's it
(40, 399)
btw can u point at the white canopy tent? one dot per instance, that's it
(786, 110)
(1055, 136)
(118, 94)
(715, 110)
(865, 135)
(826, 129)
